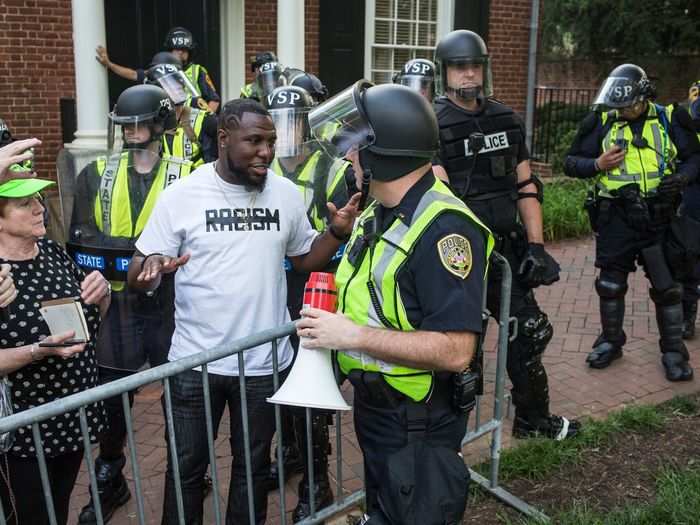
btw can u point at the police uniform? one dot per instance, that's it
(202, 82)
(203, 149)
(417, 266)
(489, 183)
(632, 218)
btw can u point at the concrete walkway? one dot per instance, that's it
(575, 389)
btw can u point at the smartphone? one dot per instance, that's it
(64, 344)
(622, 144)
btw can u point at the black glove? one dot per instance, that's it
(672, 185)
(635, 208)
(538, 267)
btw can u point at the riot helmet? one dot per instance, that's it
(289, 108)
(268, 78)
(393, 128)
(140, 108)
(179, 38)
(311, 83)
(694, 100)
(5, 135)
(165, 71)
(457, 54)
(262, 58)
(625, 86)
(419, 75)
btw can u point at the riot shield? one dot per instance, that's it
(106, 201)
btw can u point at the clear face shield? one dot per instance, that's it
(421, 84)
(618, 93)
(269, 77)
(468, 78)
(174, 82)
(292, 129)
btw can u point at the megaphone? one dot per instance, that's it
(311, 382)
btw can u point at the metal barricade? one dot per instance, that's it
(33, 417)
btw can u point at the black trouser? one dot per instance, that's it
(25, 483)
(380, 424)
(524, 365)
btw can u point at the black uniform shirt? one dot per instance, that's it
(436, 299)
(588, 144)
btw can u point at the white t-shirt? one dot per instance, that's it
(234, 284)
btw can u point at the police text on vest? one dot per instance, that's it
(491, 143)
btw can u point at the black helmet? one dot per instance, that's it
(289, 108)
(268, 78)
(5, 135)
(179, 38)
(458, 49)
(262, 58)
(626, 85)
(419, 75)
(393, 127)
(144, 105)
(165, 71)
(311, 83)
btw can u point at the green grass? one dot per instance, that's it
(562, 211)
(677, 503)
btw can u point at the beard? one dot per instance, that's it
(240, 173)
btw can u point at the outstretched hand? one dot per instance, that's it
(343, 219)
(155, 265)
(16, 153)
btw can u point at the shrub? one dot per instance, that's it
(562, 211)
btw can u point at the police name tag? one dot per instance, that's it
(491, 143)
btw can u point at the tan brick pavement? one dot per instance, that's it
(575, 389)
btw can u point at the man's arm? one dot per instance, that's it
(686, 141)
(123, 71)
(584, 159)
(529, 208)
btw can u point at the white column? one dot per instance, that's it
(445, 18)
(233, 59)
(91, 93)
(290, 33)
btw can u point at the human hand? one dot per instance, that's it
(322, 329)
(342, 220)
(671, 185)
(101, 56)
(59, 351)
(94, 288)
(8, 292)
(16, 153)
(154, 265)
(538, 267)
(611, 158)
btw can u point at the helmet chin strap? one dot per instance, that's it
(467, 94)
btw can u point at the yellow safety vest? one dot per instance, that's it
(183, 147)
(380, 266)
(644, 166)
(192, 71)
(305, 183)
(247, 91)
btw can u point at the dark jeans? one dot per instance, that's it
(25, 483)
(193, 452)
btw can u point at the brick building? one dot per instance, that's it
(41, 41)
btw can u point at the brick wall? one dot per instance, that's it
(260, 29)
(311, 41)
(508, 42)
(36, 70)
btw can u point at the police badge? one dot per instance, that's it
(456, 254)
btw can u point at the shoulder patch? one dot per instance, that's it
(456, 255)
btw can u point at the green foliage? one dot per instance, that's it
(562, 211)
(558, 121)
(605, 28)
(682, 406)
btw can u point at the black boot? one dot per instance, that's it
(669, 318)
(291, 457)
(112, 488)
(549, 426)
(323, 496)
(608, 346)
(690, 312)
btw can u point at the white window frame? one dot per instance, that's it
(445, 23)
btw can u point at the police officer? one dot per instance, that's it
(410, 287)
(419, 75)
(484, 153)
(320, 180)
(308, 81)
(691, 208)
(632, 152)
(180, 42)
(194, 138)
(250, 90)
(114, 198)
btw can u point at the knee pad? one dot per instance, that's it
(667, 297)
(608, 287)
(535, 332)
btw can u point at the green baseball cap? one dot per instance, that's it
(17, 188)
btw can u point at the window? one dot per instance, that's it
(398, 31)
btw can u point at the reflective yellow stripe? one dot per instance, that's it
(182, 143)
(192, 73)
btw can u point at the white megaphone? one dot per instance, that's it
(311, 382)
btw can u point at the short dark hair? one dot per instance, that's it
(232, 112)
